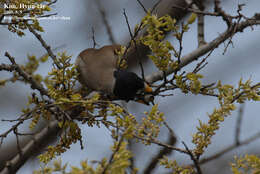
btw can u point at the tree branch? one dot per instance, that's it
(160, 8)
(162, 152)
(28, 78)
(193, 158)
(238, 124)
(48, 48)
(16, 162)
(230, 148)
(194, 55)
(105, 21)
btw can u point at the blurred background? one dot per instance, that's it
(182, 111)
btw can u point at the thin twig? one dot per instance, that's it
(17, 142)
(140, 3)
(48, 48)
(52, 2)
(170, 130)
(180, 45)
(136, 47)
(155, 5)
(21, 120)
(128, 25)
(113, 155)
(161, 153)
(193, 158)
(1, 18)
(257, 85)
(28, 78)
(200, 65)
(93, 38)
(196, 11)
(238, 124)
(154, 141)
(105, 21)
(225, 16)
(230, 148)
(132, 159)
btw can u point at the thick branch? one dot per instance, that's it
(14, 164)
(194, 55)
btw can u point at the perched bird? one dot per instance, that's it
(98, 71)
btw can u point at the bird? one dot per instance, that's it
(98, 71)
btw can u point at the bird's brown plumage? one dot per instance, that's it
(97, 66)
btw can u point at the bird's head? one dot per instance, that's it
(128, 86)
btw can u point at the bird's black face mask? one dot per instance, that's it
(127, 84)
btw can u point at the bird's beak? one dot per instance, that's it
(147, 88)
(147, 97)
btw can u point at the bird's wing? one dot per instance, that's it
(97, 66)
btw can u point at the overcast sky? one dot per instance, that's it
(182, 111)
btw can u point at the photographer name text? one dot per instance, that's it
(23, 6)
